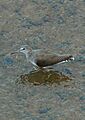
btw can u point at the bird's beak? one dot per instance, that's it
(15, 52)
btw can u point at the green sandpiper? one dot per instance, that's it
(41, 58)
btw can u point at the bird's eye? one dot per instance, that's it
(23, 49)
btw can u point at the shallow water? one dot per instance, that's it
(59, 26)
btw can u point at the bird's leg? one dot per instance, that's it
(35, 66)
(47, 68)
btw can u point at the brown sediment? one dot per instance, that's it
(44, 77)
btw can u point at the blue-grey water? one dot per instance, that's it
(55, 24)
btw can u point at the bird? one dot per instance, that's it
(40, 58)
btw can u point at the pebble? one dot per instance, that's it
(80, 58)
(82, 51)
(67, 71)
(44, 110)
(8, 61)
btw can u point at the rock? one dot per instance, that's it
(8, 61)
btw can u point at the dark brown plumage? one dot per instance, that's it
(43, 61)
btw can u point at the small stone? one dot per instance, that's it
(67, 71)
(55, 7)
(80, 58)
(8, 61)
(83, 74)
(61, 1)
(61, 20)
(82, 51)
(44, 110)
(82, 98)
(82, 108)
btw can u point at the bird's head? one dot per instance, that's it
(25, 49)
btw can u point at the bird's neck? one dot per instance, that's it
(32, 54)
(28, 55)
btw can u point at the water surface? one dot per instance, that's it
(58, 25)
